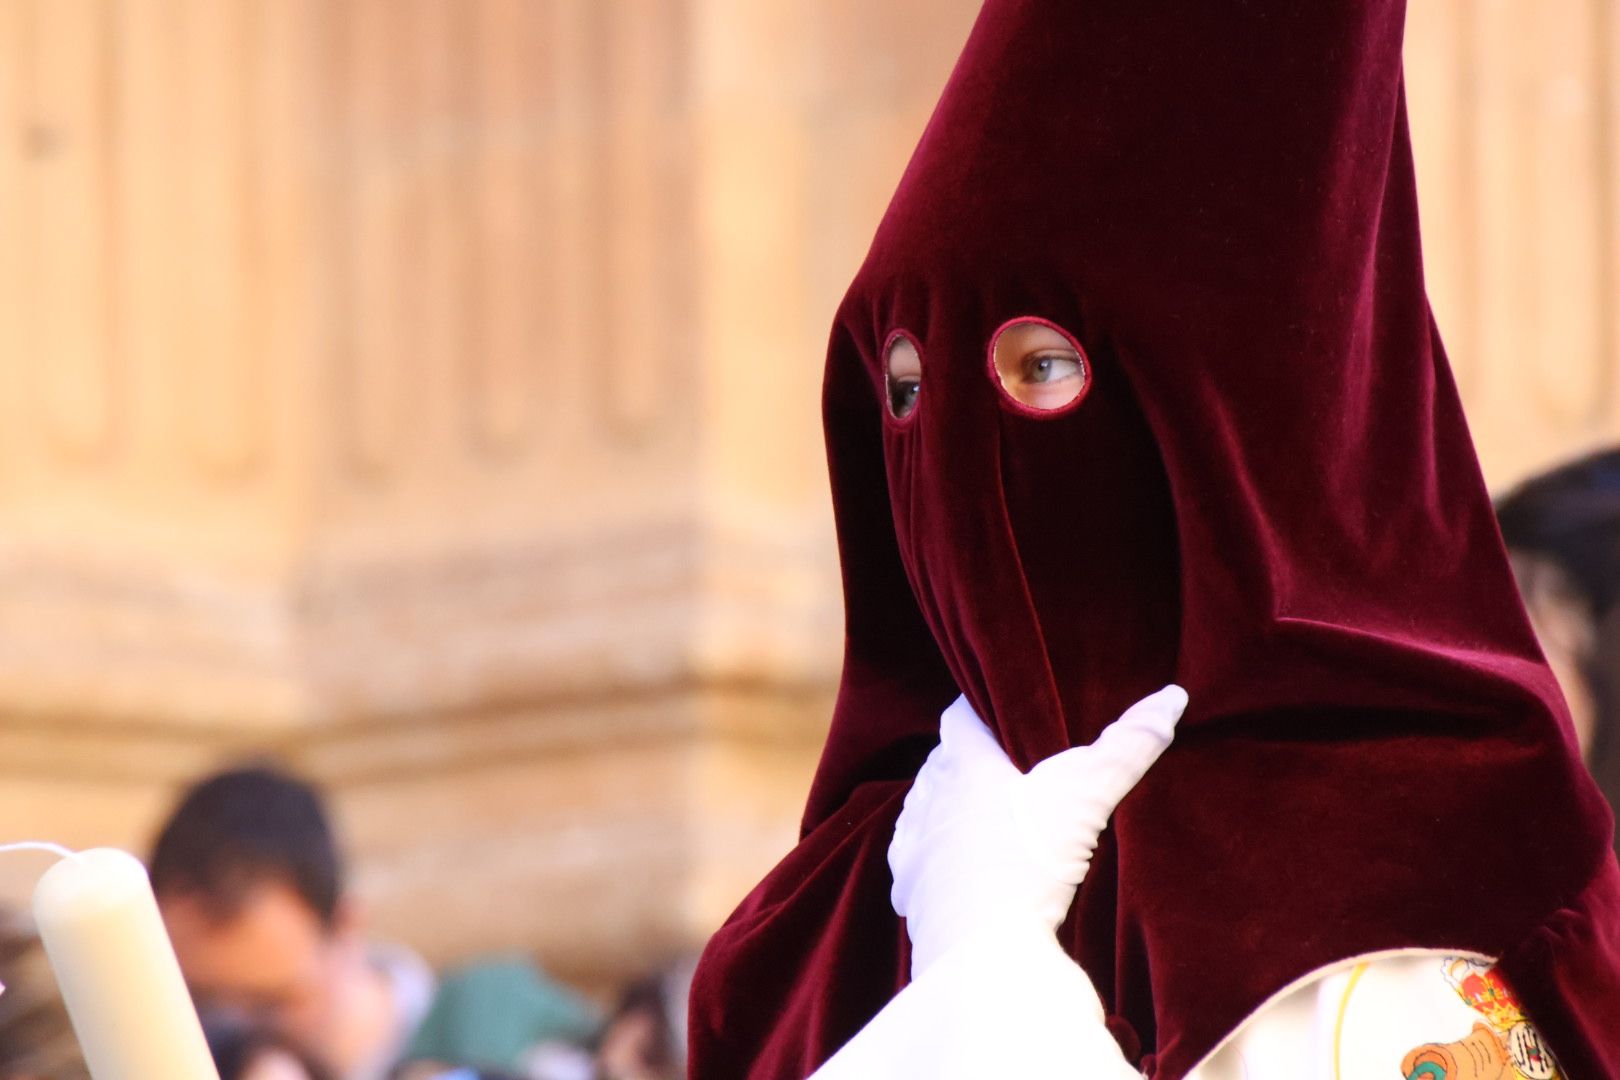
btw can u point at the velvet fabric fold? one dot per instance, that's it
(1268, 495)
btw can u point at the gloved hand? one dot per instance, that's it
(980, 844)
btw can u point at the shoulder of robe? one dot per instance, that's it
(1418, 1014)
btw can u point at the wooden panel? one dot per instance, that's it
(65, 207)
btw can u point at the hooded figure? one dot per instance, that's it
(1264, 490)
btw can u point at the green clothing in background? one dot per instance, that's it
(491, 1012)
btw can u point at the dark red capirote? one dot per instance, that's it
(1268, 496)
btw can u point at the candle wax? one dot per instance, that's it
(120, 980)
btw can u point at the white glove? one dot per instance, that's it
(980, 844)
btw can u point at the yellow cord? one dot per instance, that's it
(1344, 1007)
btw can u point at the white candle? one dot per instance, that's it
(120, 981)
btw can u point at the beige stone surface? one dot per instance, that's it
(425, 393)
(602, 831)
(1516, 125)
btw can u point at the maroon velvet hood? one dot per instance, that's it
(1268, 495)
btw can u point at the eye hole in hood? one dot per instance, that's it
(902, 374)
(1039, 366)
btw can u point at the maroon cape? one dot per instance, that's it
(1269, 496)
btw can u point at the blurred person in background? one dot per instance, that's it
(250, 882)
(249, 877)
(36, 1039)
(1562, 530)
(244, 1050)
(645, 1037)
(503, 1016)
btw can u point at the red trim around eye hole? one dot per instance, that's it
(1010, 402)
(888, 344)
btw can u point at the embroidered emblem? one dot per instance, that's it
(1506, 1046)
(1484, 991)
(1530, 1055)
(1480, 1056)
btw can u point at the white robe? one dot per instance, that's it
(1010, 1003)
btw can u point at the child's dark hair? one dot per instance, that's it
(245, 827)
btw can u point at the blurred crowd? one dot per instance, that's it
(249, 877)
(290, 986)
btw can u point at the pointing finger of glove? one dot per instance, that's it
(1104, 773)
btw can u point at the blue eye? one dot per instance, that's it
(903, 396)
(1050, 367)
(902, 375)
(1038, 365)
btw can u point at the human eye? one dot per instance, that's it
(1050, 367)
(903, 395)
(1039, 365)
(902, 375)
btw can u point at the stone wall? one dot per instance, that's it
(424, 392)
